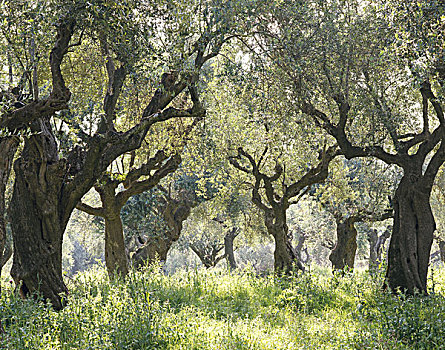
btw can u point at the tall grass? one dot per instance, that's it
(218, 309)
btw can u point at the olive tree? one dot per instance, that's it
(352, 70)
(56, 168)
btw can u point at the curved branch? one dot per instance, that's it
(60, 94)
(427, 93)
(338, 132)
(90, 210)
(314, 175)
(138, 187)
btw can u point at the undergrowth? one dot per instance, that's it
(218, 309)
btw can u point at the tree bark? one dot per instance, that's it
(412, 236)
(8, 147)
(343, 254)
(285, 256)
(228, 247)
(115, 256)
(376, 245)
(156, 248)
(38, 217)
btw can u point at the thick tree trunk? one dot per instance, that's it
(37, 264)
(115, 256)
(8, 147)
(343, 254)
(228, 247)
(412, 237)
(285, 257)
(38, 217)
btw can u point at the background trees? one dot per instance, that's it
(357, 191)
(55, 175)
(106, 94)
(335, 62)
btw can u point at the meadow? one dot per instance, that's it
(220, 309)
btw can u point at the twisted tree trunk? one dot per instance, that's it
(38, 216)
(155, 248)
(274, 205)
(115, 256)
(343, 254)
(412, 235)
(228, 247)
(285, 256)
(8, 147)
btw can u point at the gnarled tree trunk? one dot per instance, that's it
(285, 257)
(412, 236)
(376, 245)
(343, 254)
(115, 256)
(38, 216)
(228, 247)
(8, 147)
(156, 248)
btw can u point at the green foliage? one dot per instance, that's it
(142, 214)
(218, 309)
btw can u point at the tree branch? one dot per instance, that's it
(138, 187)
(90, 210)
(428, 94)
(60, 94)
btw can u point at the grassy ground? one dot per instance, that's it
(223, 310)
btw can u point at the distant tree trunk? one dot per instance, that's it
(442, 251)
(376, 245)
(412, 237)
(373, 238)
(299, 248)
(208, 253)
(228, 247)
(8, 147)
(343, 254)
(155, 248)
(275, 205)
(285, 257)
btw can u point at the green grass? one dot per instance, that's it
(218, 309)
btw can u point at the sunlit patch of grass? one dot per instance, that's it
(219, 309)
